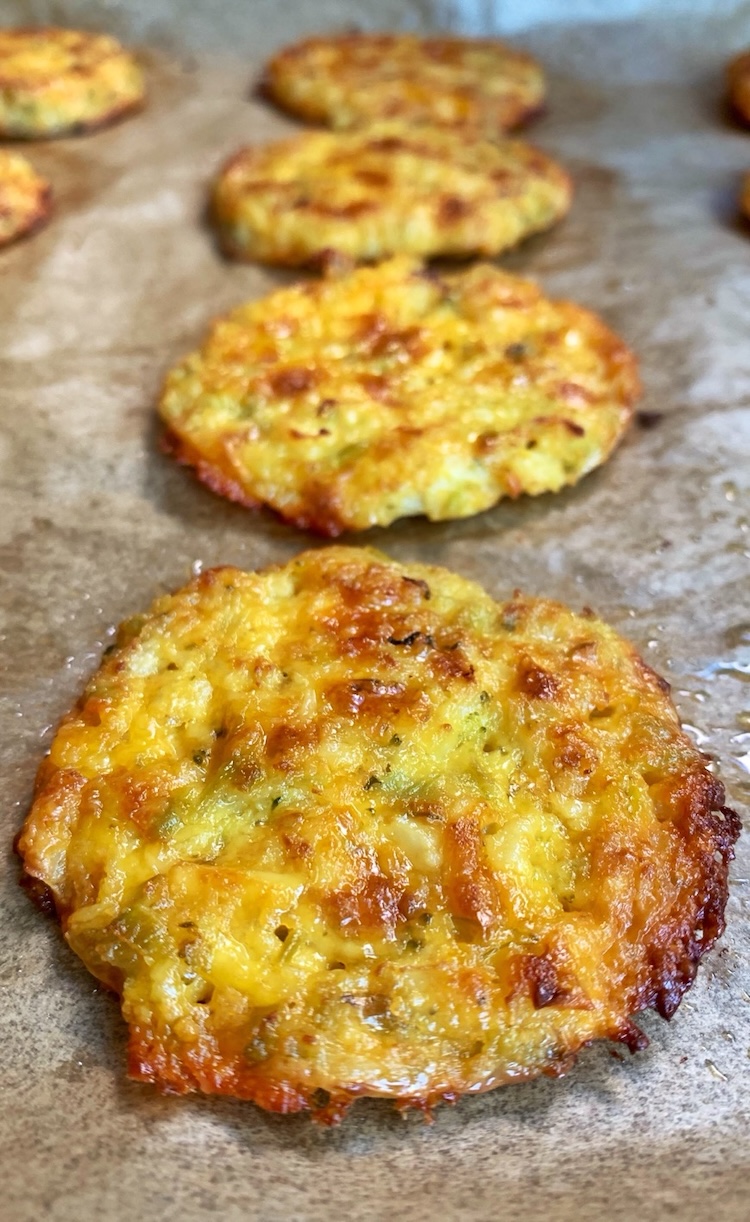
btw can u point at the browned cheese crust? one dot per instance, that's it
(59, 82)
(393, 391)
(358, 79)
(386, 189)
(25, 198)
(738, 85)
(348, 827)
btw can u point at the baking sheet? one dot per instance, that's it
(94, 522)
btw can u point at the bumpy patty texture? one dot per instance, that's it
(347, 827)
(358, 79)
(387, 189)
(738, 81)
(25, 197)
(55, 82)
(348, 403)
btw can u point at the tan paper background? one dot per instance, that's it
(94, 522)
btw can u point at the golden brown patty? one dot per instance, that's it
(394, 391)
(358, 79)
(738, 81)
(387, 189)
(348, 827)
(25, 197)
(55, 82)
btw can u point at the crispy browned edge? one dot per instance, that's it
(36, 220)
(109, 119)
(698, 813)
(269, 88)
(323, 516)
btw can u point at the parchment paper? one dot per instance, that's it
(94, 522)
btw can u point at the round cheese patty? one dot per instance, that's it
(387, 189)
(57, 82)
(393, 391)
(348, 827)
(25, 197)
(357, 79)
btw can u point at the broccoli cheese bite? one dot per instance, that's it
(357, 79)
(387, 189)
(25, 197)
(57, 82)
(738, 84)
(348, 827)
(393, 391)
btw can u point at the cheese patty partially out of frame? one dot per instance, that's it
(357, 79)
(738, 82)
(348, 827)
(393, 391)
(56, 82)
(388, 189)
(25, 197)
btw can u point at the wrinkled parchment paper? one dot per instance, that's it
(94, 522)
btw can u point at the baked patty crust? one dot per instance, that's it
(392, 391)
(388, 189)
(738, 85)
(25, 197)
(358, 79)
(348, 827)
(56, 82)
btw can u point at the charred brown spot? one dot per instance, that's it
(296, 846)
(575, 754)
(371, 903)
(387, 144)
(287, 744)
(584, 651)
(487, 442)
(468, 881)
(631, 1036)
(537, 683)
(450, 663)
(540, 973)
(420, 584)
(373, 178)
(370, 328)
(320, 510)
(377, 386)
(300, 436)
(391, 342)
(573, 392)
(245, 772)
(39, 893)
(452, 208)
(375, 698)
(418, 808)
(357, 207)
(548, 980)
(653, 677)
(292, 380)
